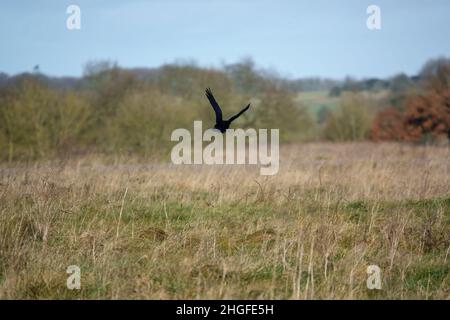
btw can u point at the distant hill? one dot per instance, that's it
(236, 72)
(62, 83)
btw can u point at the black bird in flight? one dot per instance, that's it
(221, 124)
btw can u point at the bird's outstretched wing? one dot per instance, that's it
(241, 112)
(215, 105)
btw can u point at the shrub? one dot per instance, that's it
(36, 121)
(144, 122)
(277, 110)
(388, 125)
(428, 116)
(350, 121)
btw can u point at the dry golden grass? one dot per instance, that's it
(151, 230)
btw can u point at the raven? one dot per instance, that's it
(221, 124)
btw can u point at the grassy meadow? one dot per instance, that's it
(315, 100)
(153, 230)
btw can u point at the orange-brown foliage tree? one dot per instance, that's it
(427, 116)
(388, 125)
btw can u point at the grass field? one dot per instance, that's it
(315, 100)
(153, 230)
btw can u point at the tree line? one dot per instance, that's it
(120, 111)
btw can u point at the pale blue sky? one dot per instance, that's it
(296, 38)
